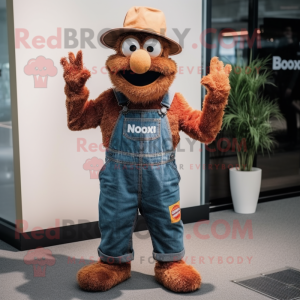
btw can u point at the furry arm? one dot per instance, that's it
(82, 113)
(204, 125)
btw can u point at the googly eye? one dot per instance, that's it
(153, 47)
(36, 68)
(129, 46)
(45, 68)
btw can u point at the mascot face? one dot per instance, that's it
(141, 68)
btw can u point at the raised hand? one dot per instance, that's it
(217, 81)
(75, 74)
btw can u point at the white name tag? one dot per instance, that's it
(139, 129)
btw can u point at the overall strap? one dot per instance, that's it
(168, 98)
(122, 100)
(166, 103)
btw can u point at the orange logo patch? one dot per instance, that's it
(175, 212)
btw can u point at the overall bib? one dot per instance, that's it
(140, 173)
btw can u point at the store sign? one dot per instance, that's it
(283, 64)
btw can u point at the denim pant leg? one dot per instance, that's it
(161, 209)
(118, 205)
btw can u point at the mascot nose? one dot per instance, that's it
(140, 61)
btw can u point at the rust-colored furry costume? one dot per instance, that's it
(200, 125)
(103, 111)
(102, 277)
(177, 276)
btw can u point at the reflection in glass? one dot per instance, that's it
(7, 195)
(280, 39)
(230, 22)
(278, 36)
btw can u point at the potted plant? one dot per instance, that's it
(248, 117)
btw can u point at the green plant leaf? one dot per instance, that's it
(249, 113)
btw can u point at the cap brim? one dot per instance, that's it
(110, 37)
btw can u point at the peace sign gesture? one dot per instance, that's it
(75, 74)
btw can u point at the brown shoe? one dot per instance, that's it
(177, 276)
(101, 277)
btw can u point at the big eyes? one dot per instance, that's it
(129, 46)
(153, 47)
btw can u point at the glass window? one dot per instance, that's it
(279, 23)
(278, 37)
(230, 32)
(230, 25)
(7, 195)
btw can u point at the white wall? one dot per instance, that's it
(53, 181)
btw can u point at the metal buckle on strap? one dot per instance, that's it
(124, 110)
(163, 111)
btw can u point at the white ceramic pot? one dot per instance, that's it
(245, 188)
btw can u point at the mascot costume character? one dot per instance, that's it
(140, 120)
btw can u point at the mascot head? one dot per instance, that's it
(141, 68)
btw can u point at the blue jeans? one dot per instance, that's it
(140, 173)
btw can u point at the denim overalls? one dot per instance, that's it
(140, 173)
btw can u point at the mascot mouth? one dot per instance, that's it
(140, 79)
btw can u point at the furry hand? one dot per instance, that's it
(75, 74)
(217, 81)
